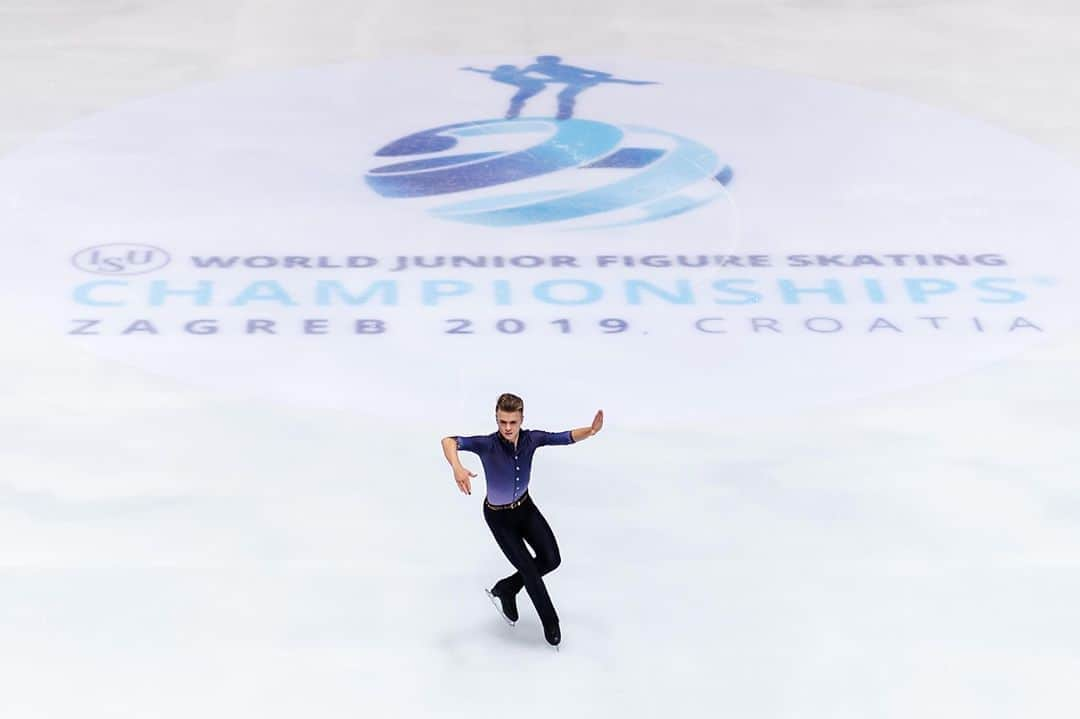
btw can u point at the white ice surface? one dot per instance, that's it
(168, 553)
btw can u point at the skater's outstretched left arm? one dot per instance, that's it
(586, 432)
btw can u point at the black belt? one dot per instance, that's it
(512, 505)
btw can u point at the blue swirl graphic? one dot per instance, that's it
(672, 176)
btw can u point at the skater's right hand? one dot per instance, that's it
(461, 476)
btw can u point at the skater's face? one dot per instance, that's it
(509, 424)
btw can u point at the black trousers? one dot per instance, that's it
(512, 528)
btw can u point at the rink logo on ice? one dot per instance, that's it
(120, 259)
(317, 259)
(515, 171)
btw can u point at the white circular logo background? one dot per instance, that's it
(826, 243)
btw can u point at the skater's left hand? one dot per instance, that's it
(598, 421)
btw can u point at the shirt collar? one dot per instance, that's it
(507, 443)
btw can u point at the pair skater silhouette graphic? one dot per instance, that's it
(548, 70)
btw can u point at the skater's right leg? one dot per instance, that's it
(507, 530)
(537, 532)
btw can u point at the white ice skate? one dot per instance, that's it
(498, 602)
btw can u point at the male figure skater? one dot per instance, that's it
(509, 510)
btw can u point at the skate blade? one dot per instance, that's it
(498, 607)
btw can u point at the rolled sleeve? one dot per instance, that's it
(475, 443)
(544, 439)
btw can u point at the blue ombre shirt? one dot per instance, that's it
(507, 468)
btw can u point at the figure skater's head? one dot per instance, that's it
(548, 59)
(509, 412)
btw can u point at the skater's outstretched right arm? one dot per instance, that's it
(476, 69)
(461, 475)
